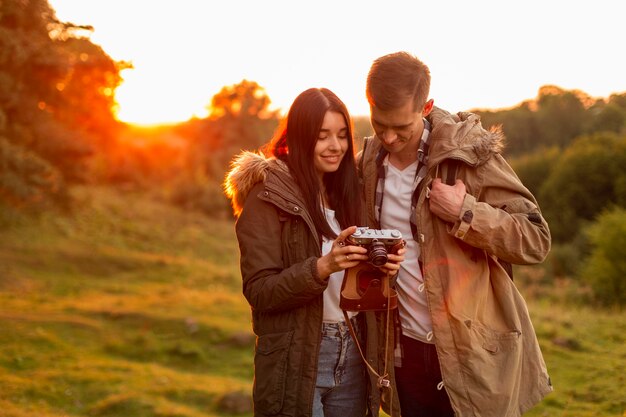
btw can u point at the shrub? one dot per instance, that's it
(584, 181)
(25, 178)
(563, 260)
(201, 195)
(605, 268)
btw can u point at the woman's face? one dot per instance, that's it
(332, 143)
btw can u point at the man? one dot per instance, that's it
(467, 346)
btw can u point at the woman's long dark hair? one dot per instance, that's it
(294, 143)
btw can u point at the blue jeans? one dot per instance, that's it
(341, 387)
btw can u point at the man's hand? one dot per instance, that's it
(446, 201)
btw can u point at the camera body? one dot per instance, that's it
(365, 286)
(378, 242)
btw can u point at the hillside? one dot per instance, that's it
(130, 307)
(127, 308)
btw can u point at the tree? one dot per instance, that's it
(56, 91)
(534, 168)
(587, 178)
(239, 118)
(560, 114)
(25, 178)
(556, 117)
(247, 98)
(519, 126)
(607, 117)
(605, 268)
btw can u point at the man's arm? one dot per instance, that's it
(503, 219)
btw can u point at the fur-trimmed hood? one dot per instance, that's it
(247, 170)
(457, 136)
(462, 135)
(251, 168)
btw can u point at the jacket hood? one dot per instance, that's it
(462, 135)
(247, 170)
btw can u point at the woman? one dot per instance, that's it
(295, 209)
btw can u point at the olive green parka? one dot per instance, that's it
(279, 248)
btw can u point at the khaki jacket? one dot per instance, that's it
(490, 358)
(279, 250)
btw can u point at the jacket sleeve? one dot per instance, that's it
(502, 217)
(268, 285)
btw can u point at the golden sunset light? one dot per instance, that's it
(186, 188)
(484, 54)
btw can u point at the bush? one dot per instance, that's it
(605, 268)
(204, 195)
(25, 178)
(564, 260)
(534, 168)
(584, 181)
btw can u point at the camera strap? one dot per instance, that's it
(382, 380)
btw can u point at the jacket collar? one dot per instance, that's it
(457, 136)
(461, 136)
(250, 168)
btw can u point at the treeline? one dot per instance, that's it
(58, 125)
(58, 128)
(555, 117)
(569, 150)
(56, 103)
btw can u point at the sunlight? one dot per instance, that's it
(146, 101)
(178, 70)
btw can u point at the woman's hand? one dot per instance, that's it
(393, 262)
(341, 256)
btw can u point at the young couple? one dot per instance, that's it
(461, 339)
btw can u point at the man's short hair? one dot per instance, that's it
(395, 78)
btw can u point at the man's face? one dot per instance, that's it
(399, 130)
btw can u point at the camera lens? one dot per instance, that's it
(377, 253)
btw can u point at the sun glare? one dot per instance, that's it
(178, 70)
(147, 102)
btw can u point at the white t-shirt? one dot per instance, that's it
(332, 312)
(396, 214)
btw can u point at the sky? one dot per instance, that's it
(481, 53)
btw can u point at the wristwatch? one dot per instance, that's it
(467, 216)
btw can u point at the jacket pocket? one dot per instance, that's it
(270, 371)
(491, 364)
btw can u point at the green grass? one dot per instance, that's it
(585, 351)
(130, 307)
(126, 307)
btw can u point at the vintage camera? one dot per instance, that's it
(365, 287)
(379, 242)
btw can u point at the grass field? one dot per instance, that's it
(129, 307)
(126, 308)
